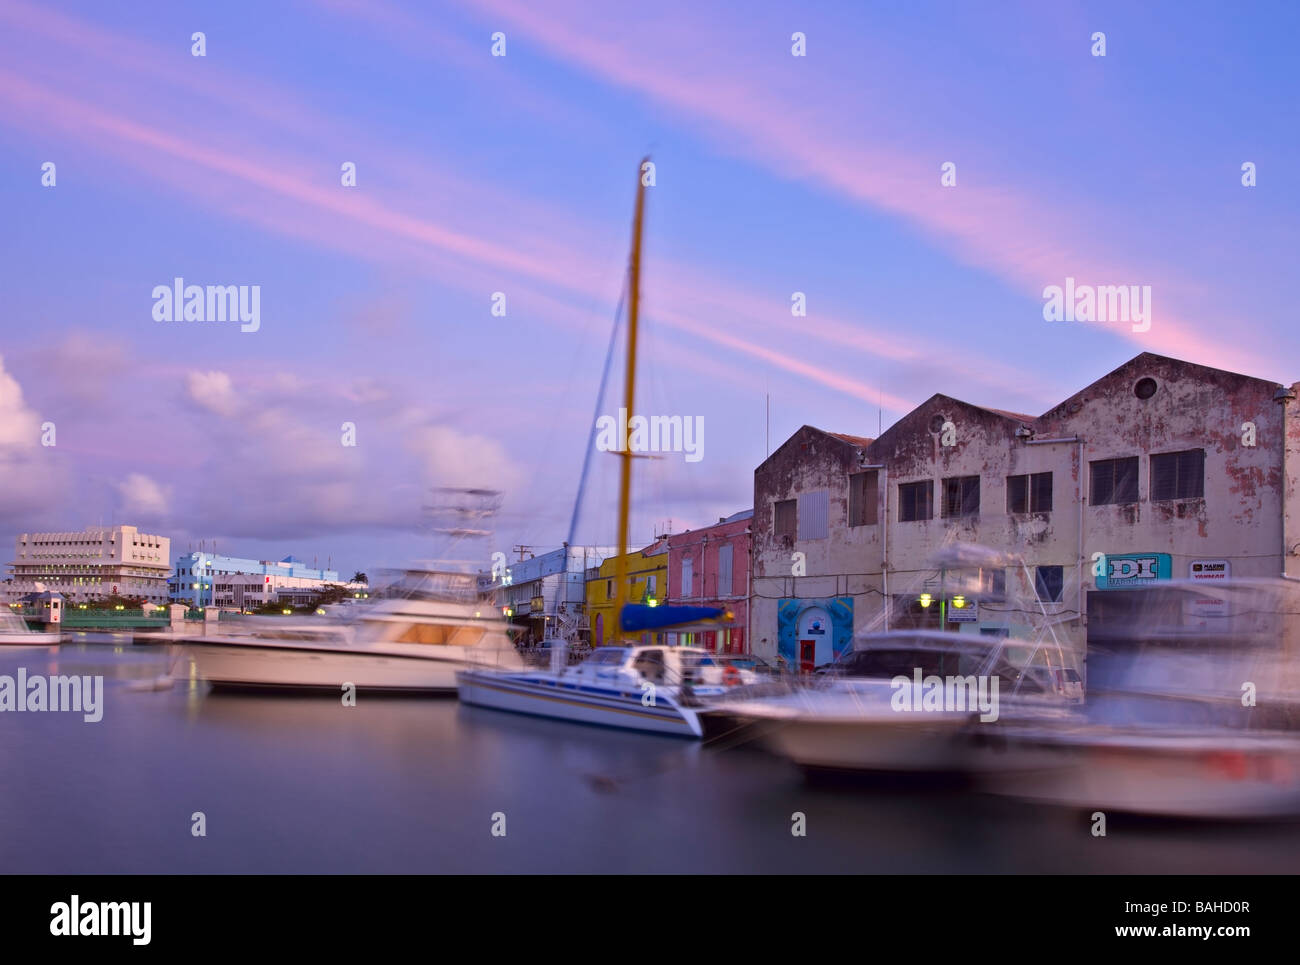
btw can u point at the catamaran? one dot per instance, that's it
(636, 686)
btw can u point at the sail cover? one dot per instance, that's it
(638, 617)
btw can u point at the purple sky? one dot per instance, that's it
(479, 174)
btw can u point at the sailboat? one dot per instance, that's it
(629, 685)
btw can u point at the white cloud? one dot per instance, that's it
(452, 458)
(213, 391)
(19, 427)
(33, 480)
(142, 497)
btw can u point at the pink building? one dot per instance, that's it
(710, 567)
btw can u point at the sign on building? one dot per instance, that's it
(1202, 611)
(967, 613)
(1134, 571)
(1210, 569)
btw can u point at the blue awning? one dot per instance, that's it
(637, 617)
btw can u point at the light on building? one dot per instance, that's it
(926, 599)
(959, 601)
(651, 602)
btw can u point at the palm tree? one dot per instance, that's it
(359, 577)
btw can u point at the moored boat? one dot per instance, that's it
(909, 701)
(15, 632)
(655, 689)
(410, 643)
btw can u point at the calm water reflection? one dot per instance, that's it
(393, 785)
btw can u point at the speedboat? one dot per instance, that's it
(647, 688)
(909, 701)
(15, 632)
(413, 641)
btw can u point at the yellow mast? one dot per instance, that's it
(629, 397)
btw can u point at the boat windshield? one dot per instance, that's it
(889, 663)
(606, 656)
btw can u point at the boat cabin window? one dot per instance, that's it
(454, 636)
(607, 656)
(650, 664)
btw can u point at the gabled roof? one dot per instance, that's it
(1013, 416)
(839, 438)
(861, 441)
(1150, 360)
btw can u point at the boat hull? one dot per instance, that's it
(251, 666)
(541, 695)
(932, 745)
(1176, 777)
(30, 639)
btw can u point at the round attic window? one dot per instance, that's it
(936, 422)
(1145, 388)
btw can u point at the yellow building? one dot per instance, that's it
(647, 578)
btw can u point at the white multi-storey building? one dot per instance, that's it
(95, 563)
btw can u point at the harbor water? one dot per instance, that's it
(393, 785)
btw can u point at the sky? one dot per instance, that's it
(515, 173)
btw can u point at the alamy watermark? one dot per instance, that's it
(75, 917)
(212, 303)
(1107, 303)
(955, 693)
(78, 695)
(656, 433)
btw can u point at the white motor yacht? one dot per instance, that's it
(431, 624)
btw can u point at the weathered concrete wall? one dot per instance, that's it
(845, 563)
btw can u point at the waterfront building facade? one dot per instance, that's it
(205, 579)
(647, 582)
(1160, 469)
(93, 564)
(710, 567)
(544, 596)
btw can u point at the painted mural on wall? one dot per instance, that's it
(826, 623)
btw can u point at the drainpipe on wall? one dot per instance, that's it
(749, 591)
(1290, 466)
(1079, 567)
(1078, 559)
